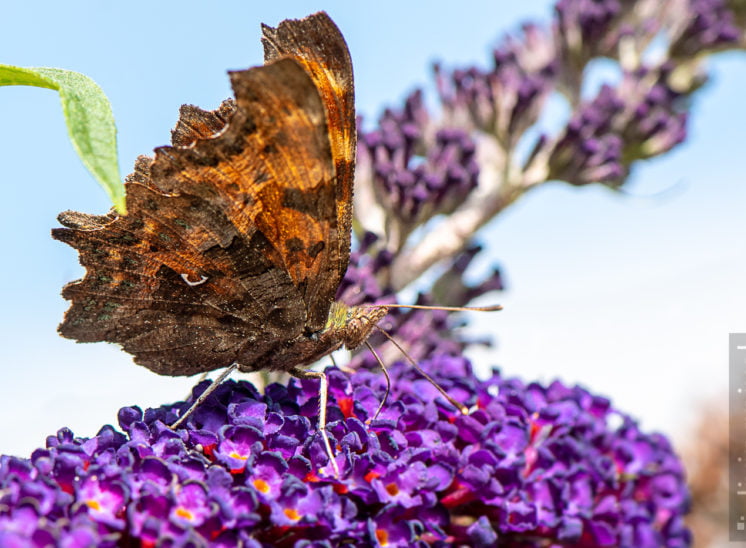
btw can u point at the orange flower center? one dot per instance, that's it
(261, 486)
(93, 504)
(292, 513)
(370, 476)
(184, 513)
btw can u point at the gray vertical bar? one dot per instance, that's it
(737, 437)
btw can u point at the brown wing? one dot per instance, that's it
(317, 43)
(224, 240)
(276, 174)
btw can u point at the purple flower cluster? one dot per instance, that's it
(529, 466)
(585, 29)
(505, 100)
(417, 173)
(711, 26)
(641, 118)
(590, 150)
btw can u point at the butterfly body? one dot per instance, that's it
(346, 327)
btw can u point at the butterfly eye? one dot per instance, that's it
(313, 336)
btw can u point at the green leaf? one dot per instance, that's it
(90, 122)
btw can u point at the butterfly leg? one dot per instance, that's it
(388, 383)
(323, 398)
(202, 377)
(202, 397)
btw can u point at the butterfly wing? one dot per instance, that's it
(317, 43)
(225, 237)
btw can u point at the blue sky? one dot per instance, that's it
(632, 296)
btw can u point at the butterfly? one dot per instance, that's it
(238, 235)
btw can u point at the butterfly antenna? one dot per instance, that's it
(388, 382)
(491, 308)
(460, 406)
(323, 398)
(203, 396)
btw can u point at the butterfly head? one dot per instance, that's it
(354, 323)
